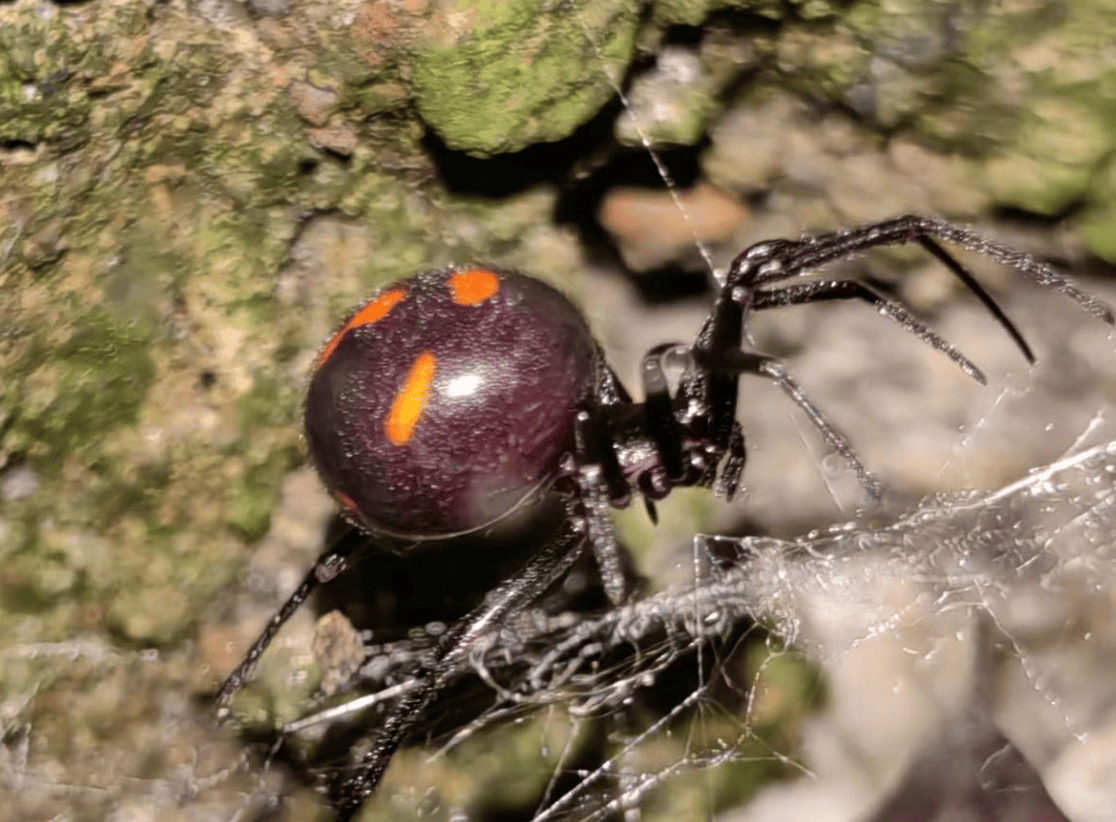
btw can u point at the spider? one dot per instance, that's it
(453, 398)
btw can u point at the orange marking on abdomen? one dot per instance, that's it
(346, 502)
(372, 311)
(411, 400)
(473, 286)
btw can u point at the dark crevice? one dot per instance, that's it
(16, 144)
(1033, 220)
(504, 175)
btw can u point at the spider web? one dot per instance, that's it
(984, 613)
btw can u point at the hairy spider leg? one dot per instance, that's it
(450, 658)
(659, 416)
(774, 260)
(592, 497)
(993, 308)
(597, 440)
(743, 362)
(333, 561)
(894, 310)
(707, 398)
(720, 360)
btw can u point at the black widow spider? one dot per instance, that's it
(452, 398)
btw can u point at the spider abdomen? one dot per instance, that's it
(447, 400)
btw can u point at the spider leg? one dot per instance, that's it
(742, 362)
(1032, 268)
(715, 392)
(659, 411)
(357, 782)
(331, 563)
(946, 259)
(720, 361)
(592, 498)
(781, 259)
(894, 310)
(729, 480)
(666, 432)
(596, 442)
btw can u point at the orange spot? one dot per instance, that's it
(372, 311)
(473, 286)
(346, 502)
(410, 400)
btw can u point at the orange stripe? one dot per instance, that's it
(473, 286)
(346, 501)
(372, 311)
(411, 400)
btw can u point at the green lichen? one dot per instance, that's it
(269, 406)
(37, 60)
(1016, 89)
(497, 76)
(65, 400)
(1061, 147)
(52, 72)
(1098, 223)
(821, 60)
(696, 12)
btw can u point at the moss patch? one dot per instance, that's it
(497, 76)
